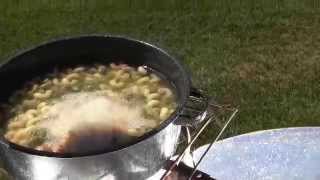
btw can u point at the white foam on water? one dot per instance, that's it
(87, 112)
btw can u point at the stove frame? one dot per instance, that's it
(201, 111)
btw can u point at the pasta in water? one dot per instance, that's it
(69, 108)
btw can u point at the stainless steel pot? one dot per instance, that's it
(137, 160)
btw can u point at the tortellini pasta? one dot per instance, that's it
(29, 105)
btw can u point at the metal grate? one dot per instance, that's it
(200, 112)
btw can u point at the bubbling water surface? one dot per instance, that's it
(88, 108)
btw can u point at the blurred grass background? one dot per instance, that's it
(260, 56)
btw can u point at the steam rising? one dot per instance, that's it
(88, 113)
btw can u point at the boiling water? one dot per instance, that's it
(88, 108)
(89, 118)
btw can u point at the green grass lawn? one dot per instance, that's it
(262, 57)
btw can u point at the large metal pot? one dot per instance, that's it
(137, 160)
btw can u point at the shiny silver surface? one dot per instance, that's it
(139, 161)
(278, 154)
(134, 162)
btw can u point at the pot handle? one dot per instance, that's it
(195, 109)
(209, 115)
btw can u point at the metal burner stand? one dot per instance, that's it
(202, 109)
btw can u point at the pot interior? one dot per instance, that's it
(89, 50)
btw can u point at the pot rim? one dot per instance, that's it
(140, 139)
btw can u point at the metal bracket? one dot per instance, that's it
(207, 117)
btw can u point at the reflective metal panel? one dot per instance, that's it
(290, 153)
